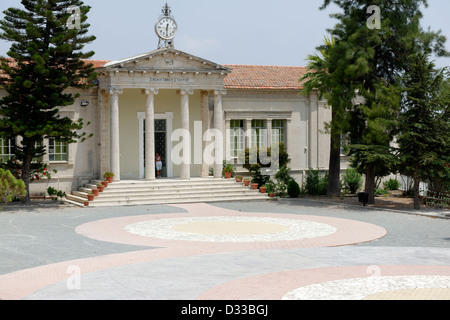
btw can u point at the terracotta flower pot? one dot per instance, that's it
(238, 179)
(254, 186)
(227, 175)
(246, 183)
(110, 179)
(272, 195)
(263, 189)
(86, 203)
(90, 197)
(105, 184)
(95, 192)
(100, 188)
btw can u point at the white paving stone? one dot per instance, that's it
(359, 288)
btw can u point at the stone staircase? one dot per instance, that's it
(165, 191)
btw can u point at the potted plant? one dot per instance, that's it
(238, 178)
(90, 196)
(270, 188)
(100, 187)
(246, 182)
(255, 185)
(109, 176)
(263, 189)
(95, 192)
(105, 184)
(228, 170)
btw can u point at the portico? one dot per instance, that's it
(169, 72)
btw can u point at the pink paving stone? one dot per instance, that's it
(113, 230)
(20, 284)
(274, 286)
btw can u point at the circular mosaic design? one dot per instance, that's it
(231, 229)
(360, 288)
(413, 294)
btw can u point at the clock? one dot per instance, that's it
(166, 28)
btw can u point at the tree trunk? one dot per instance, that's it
(26, 168)
(416, 189)
(370, 182)
(334, 174)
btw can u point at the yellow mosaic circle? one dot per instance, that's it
(230, 228)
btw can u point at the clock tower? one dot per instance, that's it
(166, 28)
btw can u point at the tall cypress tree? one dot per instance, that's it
(45, 59)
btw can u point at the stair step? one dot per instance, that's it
(176, 196)
(166, 192)
(123, 202)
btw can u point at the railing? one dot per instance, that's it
(437, 198)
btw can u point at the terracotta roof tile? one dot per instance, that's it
(264, 77)
(253, 77)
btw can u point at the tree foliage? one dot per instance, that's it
(10, 187)
(45, 59)
(375, 60)
(328, 74)
(424, 123)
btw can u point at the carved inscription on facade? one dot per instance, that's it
(169, 80)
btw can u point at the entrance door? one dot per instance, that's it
(163, 129)
(160, 143)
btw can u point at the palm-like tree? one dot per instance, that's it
(321, 78)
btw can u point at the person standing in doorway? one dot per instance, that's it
(158, 163)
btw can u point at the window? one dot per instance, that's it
(7, 149)
(259, 133)
(278, 131)
(237, 138)
(57, 150)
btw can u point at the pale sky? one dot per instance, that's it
(254, 32)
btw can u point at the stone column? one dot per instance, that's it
(269, 132)
(248, 133)
(186, 164)
(218, 125)
(150, 133)
(114, 132)
(206, 126)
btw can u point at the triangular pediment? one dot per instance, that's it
(166, 60)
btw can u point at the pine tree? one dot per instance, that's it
(377, 60)
(45, 59)
(424, 123)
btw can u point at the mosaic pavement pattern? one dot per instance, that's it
(211, 253)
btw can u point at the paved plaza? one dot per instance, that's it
(263, 250)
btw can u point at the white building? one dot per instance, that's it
(141, 103)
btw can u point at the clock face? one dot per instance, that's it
(166, 28)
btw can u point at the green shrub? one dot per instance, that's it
(392, 184)
(281, 190)
(282, 175)
(293, 189)
(352, 180)
(316, 184)
(10, 187)
(270, 186)
(58, 193)
(381, 192)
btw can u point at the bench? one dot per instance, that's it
(437, 198)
